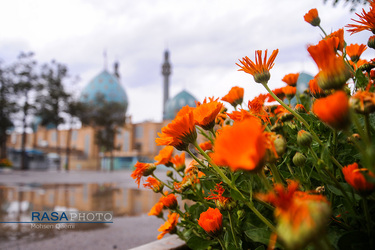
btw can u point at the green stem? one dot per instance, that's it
(204, 134)
(263, 178)
(221, 243)
(195, 158)
(232, 229)
(165, 184)
(320, 27)
(276, 173)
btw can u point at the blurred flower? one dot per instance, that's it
(291, 79)
(256, 108)
(211, 221)
(153, 184)
(234, 96)
(169, 226)
(205, 114)
(355, 177)
(371, 42)
(301, 217)
(289, 91)
(333, 72)
(180, 132)
(340, 35)
(354, 51)
(363, 102)
(278, 92)
(315, 90)
(333, 110)
(157, 210)
(312, 17)
(142, 169)
(260, 69)
(240, 115)
(164, 156)
(169, 200)
(241, 146)
(300, 108)
(179, 161)
(366, 21)
(207, 145)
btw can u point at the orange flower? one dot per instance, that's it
(157, 210)
(333, 110)
(222, 202)
(169, 200)
(278, 92)
(256, 108)
(164, 156)
(300, 108)
(366, 21)
(206, 113)
(234, 96)
(179, 162)
(354, 176)
(241, 146)
(354, 51)
(363, 102)
(315, 90)
(142, 169)
(291, 79)
(153, 184)
(260, 70)
(240, 115)
(340, 35)
(169, 226)
(300, 216)
(190, 179)
(333, 70)
(312, 17)
(289, 91)
(180, 132)
(207, 145)
(211, 221)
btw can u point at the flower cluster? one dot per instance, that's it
(290, 169)
(4, 162)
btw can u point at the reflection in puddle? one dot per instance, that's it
(18, 201)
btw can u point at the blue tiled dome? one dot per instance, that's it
(107, 85)
(176, 103)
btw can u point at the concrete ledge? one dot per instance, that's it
(167, 243)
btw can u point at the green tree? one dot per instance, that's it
(105, 117)
(26, 81)
(52, 98)
(7, 107)
(354, 3)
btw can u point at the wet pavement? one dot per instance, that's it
(22, 192)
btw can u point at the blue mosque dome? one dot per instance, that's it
(174, 104)
(303, 81)
(107, 85)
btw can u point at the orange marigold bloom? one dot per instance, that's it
(164, 156)
(312, 17)
(354, 51)
(169, 226)
(363, 102)
(291, 79)
(153, 184)
(179, 161)
(340, 35)
(222, 202)
(366, 21)
(300, 108)
(234, 96)
(142, 169)
(256, 107)
(333, 71)
(278, 92)
(169, 200)
(157, 209)
(315, 90)
(239, 115)
(241, 146)
(180, 132)
(207, 145)
(300, 216)
(205, 114)
(333, 110)
(289, 91)
(260, 70)
(354, 176)
(211, 221)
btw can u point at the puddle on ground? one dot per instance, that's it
(18, 201)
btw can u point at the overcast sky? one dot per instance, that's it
(205, 39)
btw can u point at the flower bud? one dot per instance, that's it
(169, 173)
(225, 204)
(280, 145)
(149, 170)
(299, 159)
(371, 42)
(240, 214)
(304, 138)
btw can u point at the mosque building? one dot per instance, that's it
(134, 141)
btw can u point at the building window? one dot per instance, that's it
(87, 144)
(138, 132)
(126, 141)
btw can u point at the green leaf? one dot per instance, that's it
(261, 235)
(235, 195)
(198, 243)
